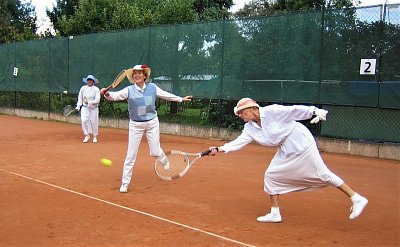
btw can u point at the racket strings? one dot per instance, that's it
(121, 76)
(177, 164)
(67, 110)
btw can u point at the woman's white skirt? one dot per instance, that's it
(305, 171)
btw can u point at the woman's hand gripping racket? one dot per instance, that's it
(176, 164)
(120, 77)
(68, 110)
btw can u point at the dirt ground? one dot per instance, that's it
(55, 192)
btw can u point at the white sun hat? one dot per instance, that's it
(243, 104)
(89, 77)
(146, 71)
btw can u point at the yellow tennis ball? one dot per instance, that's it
(106, 162)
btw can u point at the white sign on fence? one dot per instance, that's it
(367, 66)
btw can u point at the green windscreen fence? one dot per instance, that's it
(7, 63)
(105, 55)
(389, 94)
(186, 58)
(278, 58)
(309, 58)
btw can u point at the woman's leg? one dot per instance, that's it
(136, 131)
(274, 216)
(359, 202)
(346, 189)
(85, 122)
(274, 201)
(94, 119)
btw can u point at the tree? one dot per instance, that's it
(71, 17)
(268, 7)
(17, 21)
(212, 10)
(63, 9)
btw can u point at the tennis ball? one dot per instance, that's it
(106, 162)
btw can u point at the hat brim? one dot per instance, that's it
(94, 79)
(129, 74)
(237, 109)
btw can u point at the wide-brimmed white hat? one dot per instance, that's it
(146, 71)
(243, 104)
(89, 77)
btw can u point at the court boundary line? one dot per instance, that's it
(131, 209)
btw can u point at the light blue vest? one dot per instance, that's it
(142, 105)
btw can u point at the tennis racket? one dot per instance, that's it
(68, 110)
(120, 77)
(177, 164)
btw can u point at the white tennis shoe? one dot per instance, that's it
(358, 207)
(124, 188)
(270, 218)
(94, 139)
(86, 139)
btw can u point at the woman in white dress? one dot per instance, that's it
(88, 104)
(297, 165)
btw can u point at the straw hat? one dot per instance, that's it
(243, 104)
(146, 71)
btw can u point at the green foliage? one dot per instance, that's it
(114, 109)
(174, 12)
(74, 17)
(32, 101)
(7, 99)
(221, 115)
(212, 10)
(63, 9)
(101, 15)
(267, 7)
(17, 21)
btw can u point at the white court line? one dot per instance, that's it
(133, 210)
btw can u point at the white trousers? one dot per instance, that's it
(90, 120)
(136, 131)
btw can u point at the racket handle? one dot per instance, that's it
(208, 152)
(106, 90)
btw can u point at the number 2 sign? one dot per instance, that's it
(367, 66)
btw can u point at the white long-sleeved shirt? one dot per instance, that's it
(278, 128)
(91, 94)
(123, 94)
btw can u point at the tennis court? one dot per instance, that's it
(55, 192)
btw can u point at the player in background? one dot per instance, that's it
(141, 97)
(297, 165)
(88, 103)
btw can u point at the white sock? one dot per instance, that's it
(275, 210)
(162, 158)
(355, 197)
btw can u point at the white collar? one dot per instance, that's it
(140, 89)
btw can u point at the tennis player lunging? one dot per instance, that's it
(88, 103)
(141, 97)
(297, 165)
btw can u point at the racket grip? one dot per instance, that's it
(104, 92)
(208, 152)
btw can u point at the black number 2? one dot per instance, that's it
(368, 66)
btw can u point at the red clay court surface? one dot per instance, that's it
(55, 192)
